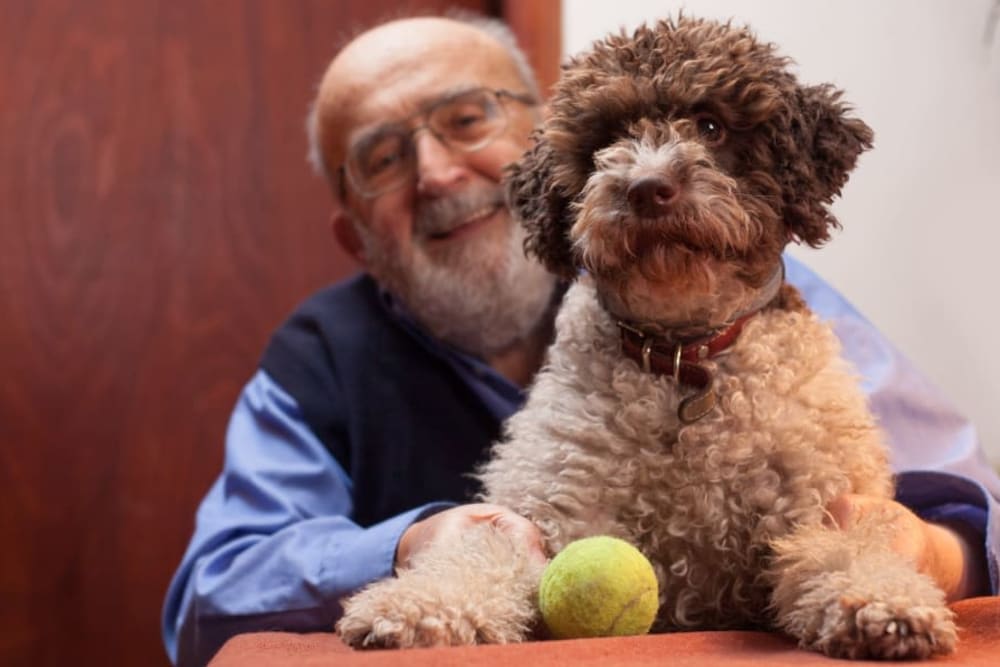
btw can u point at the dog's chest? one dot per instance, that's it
(599, 448)
(705, 500)
(761, 461)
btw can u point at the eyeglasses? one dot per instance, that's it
(385, 158)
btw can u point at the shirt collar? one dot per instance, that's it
(501, 396)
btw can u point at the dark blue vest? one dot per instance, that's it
(398, 419)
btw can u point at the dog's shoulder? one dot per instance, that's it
(792, 339)
(790, 298)
(581, 317)
(793, 354)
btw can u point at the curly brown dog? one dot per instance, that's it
(691, 403)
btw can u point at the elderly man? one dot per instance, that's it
(350, 448)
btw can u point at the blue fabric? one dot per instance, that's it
(499, 395)
(288, 529)
(396, 414)
(273, 533)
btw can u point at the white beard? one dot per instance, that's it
(482, 296)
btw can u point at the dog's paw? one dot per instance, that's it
(390, 614)
(482, 592)
(385, 615)
(898, 630)
(370, 621)
(846, 593)
(400, 630)
(364, 630)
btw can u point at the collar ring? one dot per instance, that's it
(677, 362)
(647, 350)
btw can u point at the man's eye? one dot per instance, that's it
(465, 117)
(468, 119)
(383, 162)
(383, 157)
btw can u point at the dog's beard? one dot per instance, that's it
(701, 259)
(708, 220)
(480, 294)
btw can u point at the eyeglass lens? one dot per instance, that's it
(466, 122)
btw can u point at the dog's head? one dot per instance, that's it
(679, 146)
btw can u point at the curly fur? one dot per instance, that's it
(791, 146)
(484, 605)
(676, 165)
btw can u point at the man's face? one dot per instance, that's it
(443, 241)
(442, 174)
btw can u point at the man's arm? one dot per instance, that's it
(274, 547)
(943, 477)
(951, 554)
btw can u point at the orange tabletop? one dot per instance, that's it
(979, 644)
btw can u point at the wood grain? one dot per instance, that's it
(157, 221)
(538, 24)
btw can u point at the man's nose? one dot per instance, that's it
(439, 168)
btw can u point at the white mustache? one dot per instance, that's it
(440, 216)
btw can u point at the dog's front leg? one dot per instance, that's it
(846, 593)
(479, 590)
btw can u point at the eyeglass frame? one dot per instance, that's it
(344, 174)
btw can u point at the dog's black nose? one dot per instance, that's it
(651, 196)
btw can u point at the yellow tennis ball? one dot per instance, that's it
(598, 587)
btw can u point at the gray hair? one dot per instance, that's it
(493, 27)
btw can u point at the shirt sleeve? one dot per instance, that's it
(274, 547)
(942, 472)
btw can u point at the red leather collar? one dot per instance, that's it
(681, 360)
(657, 354)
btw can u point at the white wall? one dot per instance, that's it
(920, 250)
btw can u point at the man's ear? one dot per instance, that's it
(346, 234)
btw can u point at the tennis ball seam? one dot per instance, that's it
(631, 603)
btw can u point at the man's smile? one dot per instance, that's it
(471, 223)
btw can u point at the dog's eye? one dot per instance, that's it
(710, 129)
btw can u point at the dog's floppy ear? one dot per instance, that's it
(829, 143)
(536, 202)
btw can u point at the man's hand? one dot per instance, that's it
(949, 554)
(451, 523)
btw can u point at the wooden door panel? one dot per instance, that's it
(157, 221)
